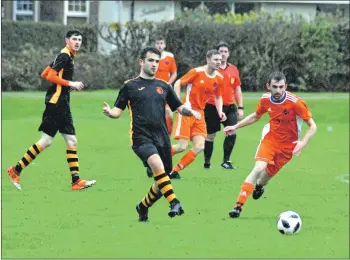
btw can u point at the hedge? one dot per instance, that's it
(313, 55)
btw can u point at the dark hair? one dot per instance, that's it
(222, 44)
(150, 49)
(160, 38)
(211, 53)
(277, 76)
(73, 32)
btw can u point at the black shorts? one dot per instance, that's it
(144, 151)
(212, 118)
(57, 119)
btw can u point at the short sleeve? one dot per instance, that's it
(60, 61)
(189, 77)
(302, 110)
(260, 108)
(172, 99)
(123, 98)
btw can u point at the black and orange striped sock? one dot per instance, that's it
(73, 163)
(28, 157)
(164, 185)
(152, 196)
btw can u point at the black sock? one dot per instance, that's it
(229, 143)
(208, 151)
(75, 177)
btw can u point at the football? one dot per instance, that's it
(289, 223)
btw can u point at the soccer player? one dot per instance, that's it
(167, 71)
(57, 115)
(146, 97)
(280, 139)
(232, 91)
(201, 82)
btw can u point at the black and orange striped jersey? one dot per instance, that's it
(146, 99)
(63, 65)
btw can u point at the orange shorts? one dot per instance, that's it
(275, 154)
(188, 126)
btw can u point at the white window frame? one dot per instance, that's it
(68, 13)
(34, 12)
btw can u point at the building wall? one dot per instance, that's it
(308, 11)
(51, 11)
(8, 9)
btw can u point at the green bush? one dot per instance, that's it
(43, 34)
(314, 56)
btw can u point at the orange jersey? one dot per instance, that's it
(231, 81)
(286, 118)
(167, 66)
(200, 86)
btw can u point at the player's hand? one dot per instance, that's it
(76, 85)
(240, 114)
(196, 114)
(299, 146)
(106, 109)
(222, 117)
(230, 130)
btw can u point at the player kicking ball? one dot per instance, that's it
(280, 139)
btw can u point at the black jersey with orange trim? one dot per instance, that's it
(64, 66)
(146, 99)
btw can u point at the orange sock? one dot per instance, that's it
(185, 161)
(169, 124)
(246, 190)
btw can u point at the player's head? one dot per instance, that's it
(160, 43)
(73, 39)
(149, 60)
(277, 85)
(222, 48)
(213, 58)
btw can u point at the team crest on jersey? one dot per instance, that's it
(167, 62)
(285, 111)
(232, 80)
(215, 85)
(160, 90)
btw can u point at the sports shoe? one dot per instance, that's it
(143, 212)
(235, 212)
(228, 166)
(175, 210)
(15, 178)
(149, 172)
(207, 166)
(258, 191)
(82, 184)
(175, 175)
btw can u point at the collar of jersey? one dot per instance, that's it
(279, 101)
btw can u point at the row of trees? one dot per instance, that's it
(313, 55)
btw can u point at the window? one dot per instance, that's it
(77, 6)
(74, 10)
(23, 10)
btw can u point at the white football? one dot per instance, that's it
(289, 223)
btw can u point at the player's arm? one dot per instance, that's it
(114, 113)
(218, 100)
(59, 63)
(175, 104)
(185, 111)
(239, 101)
(119, 105)
(173, 72)
(304, 113)
(251, 119)
(177, 88)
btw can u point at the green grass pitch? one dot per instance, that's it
(48, 220)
